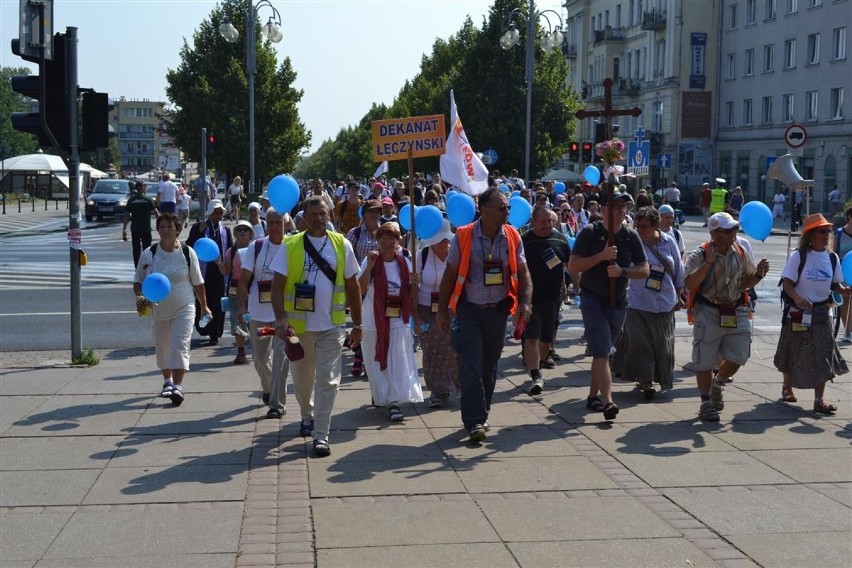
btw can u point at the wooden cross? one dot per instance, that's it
(607, 113)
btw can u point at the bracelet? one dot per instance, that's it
(357, 326)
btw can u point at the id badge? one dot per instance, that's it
(550, 258)
(796, 321)
(232, 289)
(435, 296)
(655, 279)
(264, 291)
(728, 317)
(393, 307)
(493, 270)
(305, 294)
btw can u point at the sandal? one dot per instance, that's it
(547, 364)
(824, 407)
(787, 394)
(594, 404)
(647, 389)
(395, 414)
(274, 413)
(610, 411)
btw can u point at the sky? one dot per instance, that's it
(348, 54)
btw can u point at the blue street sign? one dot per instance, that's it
(769, 161)
(489, 157)
(664, 161)
(638, 157)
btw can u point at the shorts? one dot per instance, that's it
(542, 323)
(235, 200)
(167, 207)
(710, 340)
(603, 323)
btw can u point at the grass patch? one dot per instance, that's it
(88, 357)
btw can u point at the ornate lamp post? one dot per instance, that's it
(551, 39)
(272, 31)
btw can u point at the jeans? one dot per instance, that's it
(140, 240)
(477, 337)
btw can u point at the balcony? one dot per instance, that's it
(609, 34)
(654, 20)
(628, 87)
(569, 51)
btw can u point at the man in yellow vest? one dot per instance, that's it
(486, 279)
(315, 275)
(718, 198)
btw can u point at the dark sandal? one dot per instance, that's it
(647, 389)
(594, 404)
(610, 411)
(787, 394)
(395, 414)
(823, 407)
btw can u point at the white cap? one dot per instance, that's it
(254, 205)
(444, 233)
(213, 205)
(721, 220)
(666, 209)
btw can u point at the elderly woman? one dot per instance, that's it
(439, 358)
(172, 317)
(650, 324)
(385, 280)
(807, 355)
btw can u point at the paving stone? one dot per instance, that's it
(822, 548)
(331, 479)
(808, 466)
(55, 487)
(170, 484)
(27, 536)
(472, 555)
(543, 474)
(636, 553)
(517, 441)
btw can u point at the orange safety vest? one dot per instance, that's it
(464, 238)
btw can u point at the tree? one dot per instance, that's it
(13, 142)
(210, 89)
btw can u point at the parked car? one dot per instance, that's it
(108, 198)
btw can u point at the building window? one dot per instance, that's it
(836, 102)
(792, 6)
(815, 3)
(732, 66)
(771, 9)
(788, 104)
(732, 17)
(789, 54)
(768, 58)
(657, 125)
(630, 13)
(766, 112)
(811, 103)
(749, 62)
(813, 49)
(618, 16)
(750, 11)
(747, 112)
(838, 43)
(729, 113)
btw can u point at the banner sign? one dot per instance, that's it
(423, 135)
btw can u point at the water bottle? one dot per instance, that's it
(205, 320)
(241, 330)
(265, 331)
(520, 327)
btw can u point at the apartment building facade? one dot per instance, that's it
(142, 139)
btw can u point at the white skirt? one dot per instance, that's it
(399, 382)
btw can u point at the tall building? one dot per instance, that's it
(142, 139)
(718, 82)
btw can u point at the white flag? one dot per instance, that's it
(382, 169)
(460, 166)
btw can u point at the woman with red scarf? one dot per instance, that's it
(385, 280)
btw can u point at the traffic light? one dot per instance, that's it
(96, 109)
(574, 152)
(587, 152)
(211, 144)
(54, 105)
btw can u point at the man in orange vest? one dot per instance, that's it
(486, 279)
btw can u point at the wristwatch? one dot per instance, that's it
(357, 326)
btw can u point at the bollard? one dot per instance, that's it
(33, 199)
(56, 200)
(19, 204)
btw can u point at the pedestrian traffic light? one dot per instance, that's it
(96, 109)
(574, 152)
(587, 152)
(52, 100)
(211, 144)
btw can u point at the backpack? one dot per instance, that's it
(183, 247)
(803, 256)
(692, 294)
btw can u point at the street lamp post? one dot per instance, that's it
(272, 31)
(551, 39)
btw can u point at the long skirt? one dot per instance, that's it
(440, 368)
(649, 356)
(811, 357)
(399, 382)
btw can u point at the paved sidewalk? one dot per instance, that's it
(95, 470)
(30, 220)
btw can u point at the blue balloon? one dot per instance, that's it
(428, 220)
(283, 193)
(156, 287)
(405, 216)
(504, 188)
(520, 212)
(756, 220)
(461, 209)
(846, 269)
(559, 188)
(571, 243)
(206, 249)
(592, 175)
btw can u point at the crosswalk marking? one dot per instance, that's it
(57, 275)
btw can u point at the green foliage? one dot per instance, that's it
(490, 92)
(12, 142)
(210, 89)
(87, 357)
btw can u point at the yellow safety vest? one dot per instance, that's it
(717, 200)
(295, 274)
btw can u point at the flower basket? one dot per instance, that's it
(610, 150)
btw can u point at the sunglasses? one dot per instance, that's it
(503, 208)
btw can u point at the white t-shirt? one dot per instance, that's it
(235, 189)
(183, 202)
(168, 191)
(430, 276)
(681, 246)
(181, 298)
(261, 266)
(779, 199)
(368, 316)
(743, 242)
(320, 318)
(815, 282)
(672, 194)
(259, 230)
